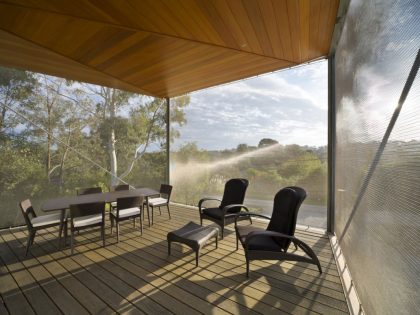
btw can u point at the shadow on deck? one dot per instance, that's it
(137, 276)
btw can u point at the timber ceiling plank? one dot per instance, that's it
(18, 53)
(165, 47)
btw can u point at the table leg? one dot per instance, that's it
(148, 213)
(60, 230)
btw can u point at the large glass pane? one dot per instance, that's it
(271, 130)
(57, 136)
(378, 153)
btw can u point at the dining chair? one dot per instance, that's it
(35, 223)
(127, 208)
(118, 188)
(87, 215)
(90, 190)
(162, 199)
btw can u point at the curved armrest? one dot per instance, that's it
(227, 208)
(250, 214)
(265, 233)
(302, 245)
(200, 203)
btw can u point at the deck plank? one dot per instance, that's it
(137, 276)
(71, 265)
(34, 293)
(219, 265)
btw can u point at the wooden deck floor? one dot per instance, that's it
(137, 276)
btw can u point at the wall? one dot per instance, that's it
(377, 198)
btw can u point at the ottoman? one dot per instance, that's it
(193, 235)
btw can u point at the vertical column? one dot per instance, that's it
(331, 143)
(168, 137)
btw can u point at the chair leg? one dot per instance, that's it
(65, 232)
(148, 215)
(169, 248)
(247, 267)
(141, 225)
(29, 242)
(169, 212)
(250, 219)
(134, 222)
(33, 239)
(103, 234)
(152, 208)
(197, 254)
(72, 241)
(112, 223)
(160, 212)
(237, 242)
(223, 229)
(118, 231)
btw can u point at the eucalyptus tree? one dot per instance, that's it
(128, 124)
(16, 90)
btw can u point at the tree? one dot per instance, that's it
(242, 148)
(16, 89)
(267, 142)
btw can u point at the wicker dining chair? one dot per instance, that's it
(35, 223)
(162, 200)
(127, 208)
(87, 215)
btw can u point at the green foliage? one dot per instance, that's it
(267, 142)
(268, 169)
(57, 136)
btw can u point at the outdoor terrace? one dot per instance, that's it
(137, 276)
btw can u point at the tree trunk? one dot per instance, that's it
(113, 158)
(49, 140)
(111, 146)
(2, 117)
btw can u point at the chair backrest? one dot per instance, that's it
(90, 190)
(27, 211)
(234, 193)
(285, 210)
(119, 187)
(129, 202)
(165, 191)
(80, 210)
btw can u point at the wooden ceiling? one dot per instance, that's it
(163, 48)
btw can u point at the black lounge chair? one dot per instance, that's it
(230, 205)
(273, 243)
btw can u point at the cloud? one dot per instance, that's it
(289, 106)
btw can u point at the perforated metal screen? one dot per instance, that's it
(378, 162)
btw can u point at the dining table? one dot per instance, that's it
(63, 203)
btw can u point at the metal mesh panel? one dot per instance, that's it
(378, 176)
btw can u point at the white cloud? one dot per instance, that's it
(287, 106)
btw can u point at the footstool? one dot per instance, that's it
(193, 235)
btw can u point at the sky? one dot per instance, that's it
(289, 106)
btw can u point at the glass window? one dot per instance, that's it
(271, 130)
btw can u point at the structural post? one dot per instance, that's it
(331, 143)
(168, 137)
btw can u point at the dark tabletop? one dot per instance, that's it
(62, 203)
